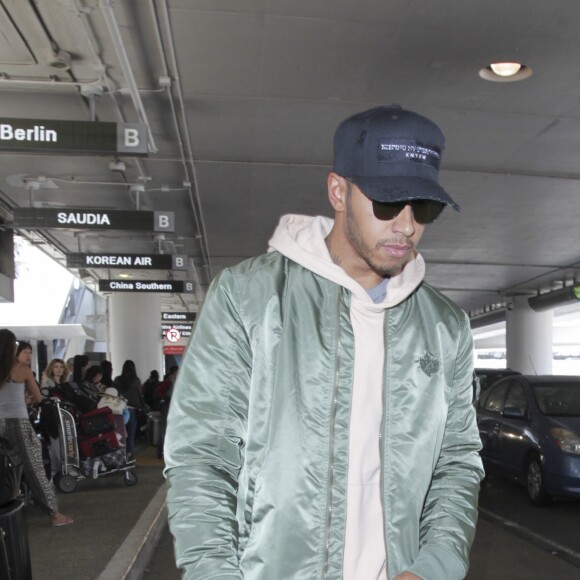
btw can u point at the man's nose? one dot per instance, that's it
(405, 221)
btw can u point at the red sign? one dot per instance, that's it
(174, 349)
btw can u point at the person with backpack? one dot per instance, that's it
(16, 379)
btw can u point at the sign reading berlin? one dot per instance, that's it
(92, 219)
(77, 137)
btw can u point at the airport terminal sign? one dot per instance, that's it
(93, 219)
(80, 137)
(178, 316)
(169, 286)
(183, 329)
(127, 261)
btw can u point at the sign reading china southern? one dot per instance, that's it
(80, 137)
(171, 286)
(93, 219)
(127, 261)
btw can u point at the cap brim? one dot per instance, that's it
(393, 189)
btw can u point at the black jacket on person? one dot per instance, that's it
(131, 391)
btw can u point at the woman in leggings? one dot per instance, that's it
(16, 380)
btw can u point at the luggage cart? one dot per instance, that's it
(71, 468)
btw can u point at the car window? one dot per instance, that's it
(561, 399)
(496, 397)
(516, 398)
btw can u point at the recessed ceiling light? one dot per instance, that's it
(505, 72)
(123, 275)
(505, 69)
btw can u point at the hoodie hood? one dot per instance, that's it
(302, 240)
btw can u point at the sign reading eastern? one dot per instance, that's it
(179, 316)
(171, 286)
(127, 261)
(77, 137)
(93, 219)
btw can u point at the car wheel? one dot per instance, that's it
(535, 483)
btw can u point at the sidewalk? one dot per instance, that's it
(108, 517)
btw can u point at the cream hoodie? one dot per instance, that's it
(302, 240)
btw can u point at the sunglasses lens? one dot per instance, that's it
(387, 211)
(426, 211)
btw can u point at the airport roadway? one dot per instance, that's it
(120, 533)
(514, 540)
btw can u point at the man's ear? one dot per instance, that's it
(337, 189)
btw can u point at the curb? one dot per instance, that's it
(134, 555)
(556, 549)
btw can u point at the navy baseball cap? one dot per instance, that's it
(392, 155)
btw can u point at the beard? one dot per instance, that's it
(353, 233)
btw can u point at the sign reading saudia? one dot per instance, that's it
(93, 219)
(81, 137)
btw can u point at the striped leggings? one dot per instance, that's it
(23, 438)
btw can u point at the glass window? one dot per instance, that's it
(558, 398)
(516, 398)
(496, 397)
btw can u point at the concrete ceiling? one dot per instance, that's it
(244, 132)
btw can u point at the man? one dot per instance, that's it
(322, 425)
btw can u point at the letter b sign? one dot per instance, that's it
(179, 262)
(164, 221)
(132, 138)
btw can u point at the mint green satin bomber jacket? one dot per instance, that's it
(256, 449)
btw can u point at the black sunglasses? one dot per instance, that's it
(425, 211)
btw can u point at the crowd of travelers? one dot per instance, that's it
(34, 435)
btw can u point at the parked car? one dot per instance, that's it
(530, 431)
(488, 377)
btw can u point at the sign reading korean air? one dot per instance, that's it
(126, 261)
(77, 137)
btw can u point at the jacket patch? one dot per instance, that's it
(429, 364)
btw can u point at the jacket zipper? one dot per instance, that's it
(331, 443)
(382, 440)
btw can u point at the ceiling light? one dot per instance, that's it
(505, 69)
(59, 59)
(125, 275)
(117, 166)
(505, 72)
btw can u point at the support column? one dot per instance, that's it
(135, 332)
(529, 339)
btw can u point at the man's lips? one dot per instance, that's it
(397, 251)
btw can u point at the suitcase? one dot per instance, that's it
(97, 421)
(154, 428)
(97, 445)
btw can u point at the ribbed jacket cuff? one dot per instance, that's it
(435, 563)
